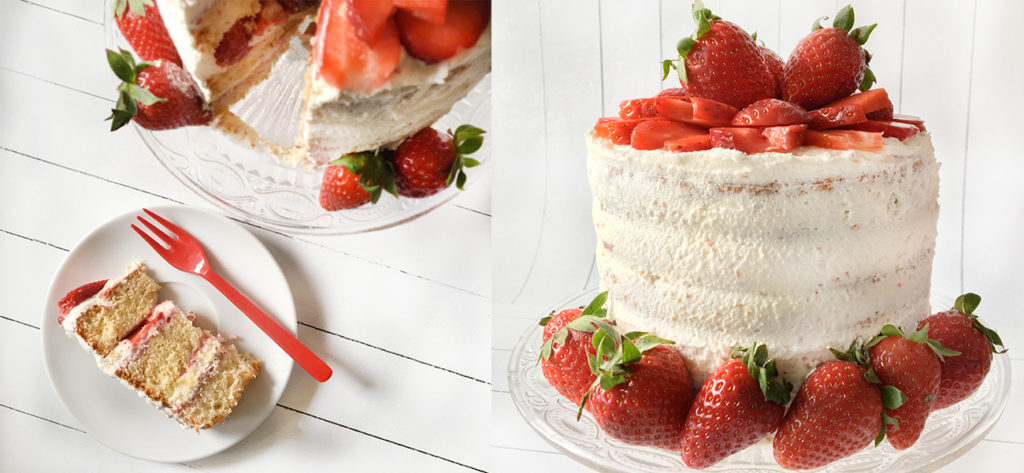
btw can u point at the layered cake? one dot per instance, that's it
(192, 375)
(801, 251)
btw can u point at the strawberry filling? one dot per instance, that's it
(77, 296)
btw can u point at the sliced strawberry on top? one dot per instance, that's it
(369, 17)
(431, 42)
(889, 129)
(771, 112)
(430, 10)
(652, 133)
(77, 296)
(673, 92)
(777, 139)
(689, 143)
(616, 130)
(637, 108)
(882, 114)
(832, 117)
(346, 62)
(844, 139)
(868, 101)
(910, 119)
(140, 23)
(695, 110)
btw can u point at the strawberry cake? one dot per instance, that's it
(192, 375)
(779, 210)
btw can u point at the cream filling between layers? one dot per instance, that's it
(799, 251)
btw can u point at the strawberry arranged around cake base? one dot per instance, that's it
(800, 251)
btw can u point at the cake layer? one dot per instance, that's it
(101, 321)
(799, 251)
(336, 121)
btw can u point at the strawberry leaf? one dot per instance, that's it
(920, 336)
(967, 303)
(596, 306)
(941, 351)
(764, 372)
(470, 162)
(891, 331)
(861, 34)
(666, 67)
(122, 65)
(630, 353)
(817, 23)
(141, 95)
(544, 320)
(869, 79)
(844, 19)
(647, 342)
(892, 398)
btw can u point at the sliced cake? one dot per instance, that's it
(194, 376)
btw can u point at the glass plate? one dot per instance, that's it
(949, 433)
(251, 184)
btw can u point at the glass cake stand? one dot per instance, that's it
(251, 184)
(950, 432)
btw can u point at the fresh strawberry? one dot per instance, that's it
(836, 412)
(369, 17)
(673, 92)
(689, 143)
(430, 10)
(751, 140)
(889, 129)
(868, 101)
(642, 392)
(77, 296)
(430, 161)
(844, 139)
(909, 363)
(355, 179)
(776, 66)
(828, 64)
(959, 329)
(637, 108)
(694, 110)
(295, 6)
(347, 62)
(616, 130)
(234, 45)
(464, 22)
(884, 114)
(565, 352)
(742, 402)
(652, 133)
(910, 119)
(771, 112)
(832, 117)
(140, 23)
(722, 62)
(157, 96)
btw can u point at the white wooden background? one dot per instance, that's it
(401, 314)
(560, 65)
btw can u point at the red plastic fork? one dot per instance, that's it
(186, 254)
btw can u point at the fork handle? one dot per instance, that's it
(281, 336)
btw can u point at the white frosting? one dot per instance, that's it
(181, 18)
(800, 251)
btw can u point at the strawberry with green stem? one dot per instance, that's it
(430, 161)
(910, 363)
(564, 354)
(356, 179)
(743, 401)
(959, 329)
(158, 95)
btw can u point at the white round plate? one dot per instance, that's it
(949, 433)
(252, 185)
(114, 414)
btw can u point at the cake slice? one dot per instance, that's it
(229, 46)
(192, 375)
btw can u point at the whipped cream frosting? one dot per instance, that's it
(801, 251)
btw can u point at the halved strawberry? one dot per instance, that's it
(616, 130)
(77, 296)
(689, 143)
(910, 119)
(429, 10)
(771, 112)
(431, 42)
(759, 140)
(844, 139)
(695, 110)
(889, 129)
(832, 117)
(369, 17)
(345, 61)
(868, 101)
(652, 133)
(234, 45)
(637, 108)
(673, 92)
(882, 114)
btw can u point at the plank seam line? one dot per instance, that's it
(72, 15)
(521, 449)
(485, 214)
(58, 84)
(33, 240)
(353, 429)
(42, 418)
(385, 350)
(19, 322)
(967, 138)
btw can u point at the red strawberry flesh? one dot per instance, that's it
(913, 369)
(771, 112)
(753, 140)
(616, 130)
(962, 374)
(889, 129)
(369, 17)
(869, 101)
(844, 139)
(653, 133)
(429, 10)
(833, 117)
(464, 22)
(77, 296)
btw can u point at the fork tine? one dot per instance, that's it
(169, 240)
(145, 236)
(167, 224)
